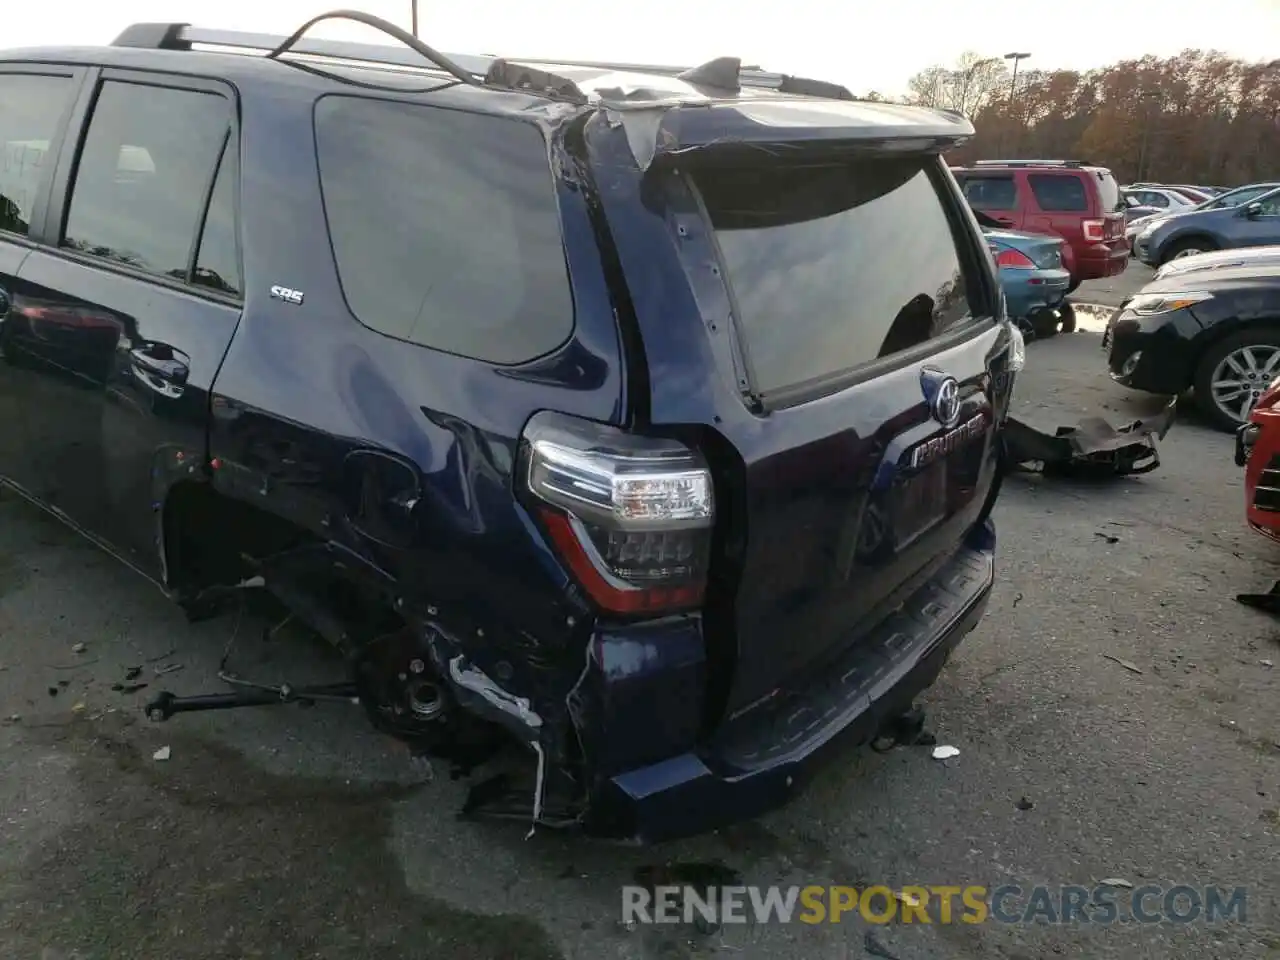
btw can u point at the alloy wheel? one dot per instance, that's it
(1241, 376)
(1188, 252)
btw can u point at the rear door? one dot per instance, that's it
(996, 195)
(131, 305)
(862, 311)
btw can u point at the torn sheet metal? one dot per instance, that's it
(1093, 448)
(508, 706)
(694, 123)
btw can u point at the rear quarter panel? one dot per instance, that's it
(304, 387)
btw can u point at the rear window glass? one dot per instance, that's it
(1109, 192)
(445, 227)
(833, 266)
(991, 193)
(1059, 192)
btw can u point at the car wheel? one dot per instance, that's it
(1044, 322)
(1186, 248)
(1234, 372)
(1067, 313)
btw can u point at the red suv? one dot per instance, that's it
(1070, 199)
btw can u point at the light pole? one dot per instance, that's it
(1013, 90)
(413, 17)
(1013, 85)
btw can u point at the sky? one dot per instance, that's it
(865, 46)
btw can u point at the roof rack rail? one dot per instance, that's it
(718, 74)
(487, 71)
(513, 73)
(1073, 164)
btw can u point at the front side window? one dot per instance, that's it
(835, 265)
(144, 170)
(30, 107)
(1059, 193)
(1269, 206)
(445, 227)
(1237, 197)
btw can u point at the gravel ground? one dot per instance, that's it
(290, 834)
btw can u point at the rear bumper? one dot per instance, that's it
(1100, 260)
(1037, 289)
(764, 760)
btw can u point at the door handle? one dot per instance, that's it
(161, 368)
(170, 368)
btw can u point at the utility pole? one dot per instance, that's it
(1013, 91)
(413, 11)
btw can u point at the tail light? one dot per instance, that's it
(630, 516)
(1095, 231)
(1014, 258)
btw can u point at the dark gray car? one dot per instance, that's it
(1249, 217)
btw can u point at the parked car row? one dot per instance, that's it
(1075, 201)
(1244, 217)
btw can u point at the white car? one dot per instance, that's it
(1162, 198)
(1222, 260)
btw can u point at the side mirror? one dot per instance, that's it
(1252, 210)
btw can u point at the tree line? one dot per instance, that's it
(1199, 117)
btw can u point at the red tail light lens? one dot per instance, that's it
(1095, 231)
(1016, 259)
(630, 516)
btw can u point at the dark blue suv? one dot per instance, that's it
(649, 420)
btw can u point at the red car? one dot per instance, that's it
(1258, 451)
(1067, 198)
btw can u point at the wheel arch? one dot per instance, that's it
(209, 538)
(1180, 239)
(1208, 338)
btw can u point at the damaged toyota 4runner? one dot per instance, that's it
(645, 420)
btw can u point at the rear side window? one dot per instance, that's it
(445, 227)
(991, 193)
(30, 107)
(1059, 192)
(834, 266)
(145, 168)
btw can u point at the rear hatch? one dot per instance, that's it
(869, 364)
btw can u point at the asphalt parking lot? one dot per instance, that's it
(284, 833)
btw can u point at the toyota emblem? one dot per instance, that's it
(946, 402)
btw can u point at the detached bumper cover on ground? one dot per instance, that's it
(1093, 447)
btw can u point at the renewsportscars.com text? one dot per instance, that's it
(936, 904)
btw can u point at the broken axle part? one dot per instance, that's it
(165, 704)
